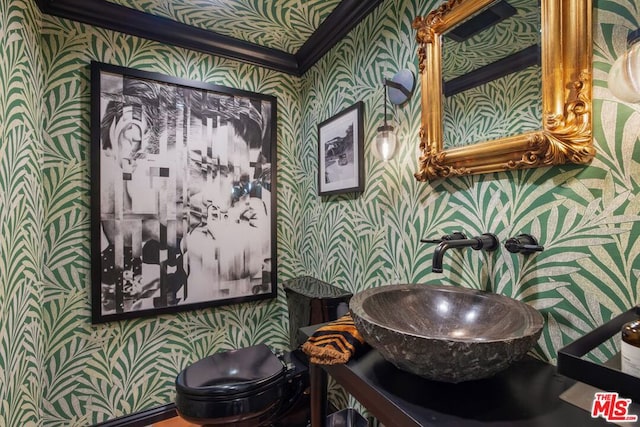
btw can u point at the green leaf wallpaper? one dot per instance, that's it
(507, 106)
(59, 370)
(282, 25)
(21, 215)
(501, 39)
(96, 373)
(586, 217)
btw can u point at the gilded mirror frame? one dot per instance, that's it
(566, 129)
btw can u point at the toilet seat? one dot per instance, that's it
(238, 387)
(231, 373)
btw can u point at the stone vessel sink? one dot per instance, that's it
(445, 333)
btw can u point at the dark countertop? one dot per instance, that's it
(526, 394)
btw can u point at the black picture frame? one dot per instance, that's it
(340, 152)
(183, 194)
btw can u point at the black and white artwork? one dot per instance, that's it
(340, 156)
(183, 198)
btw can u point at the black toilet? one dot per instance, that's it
(255, 386)
(246, 387)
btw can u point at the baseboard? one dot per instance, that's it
(142, 418)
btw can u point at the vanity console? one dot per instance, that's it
(525, 394)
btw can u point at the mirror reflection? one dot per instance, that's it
(485, 113)
(492, 56)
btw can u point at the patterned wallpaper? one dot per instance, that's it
(58, 370)
(506, 106)
(493, 43)
(282, 25)
(588, 218)
(95, 373)
(21, 215)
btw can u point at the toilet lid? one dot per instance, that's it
(231, 372)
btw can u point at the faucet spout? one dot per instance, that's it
(487, 241)
(445, 245)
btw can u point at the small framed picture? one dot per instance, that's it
(340, 152)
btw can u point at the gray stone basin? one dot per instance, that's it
(445, 333)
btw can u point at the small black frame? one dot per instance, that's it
(340, 152)
(183, 201)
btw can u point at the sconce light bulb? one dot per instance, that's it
(385, 143)
(624, 76)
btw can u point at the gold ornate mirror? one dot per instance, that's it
(565, 132)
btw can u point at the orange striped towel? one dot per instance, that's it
(334, 343)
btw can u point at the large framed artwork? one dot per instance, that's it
(340, 152)
(182, 194)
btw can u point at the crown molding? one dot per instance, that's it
(101, 13)
(334, 28)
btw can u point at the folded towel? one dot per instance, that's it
(334, 343)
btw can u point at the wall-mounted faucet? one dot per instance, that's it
(486, 241)
(524, 244)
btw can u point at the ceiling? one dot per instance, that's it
(284, 35)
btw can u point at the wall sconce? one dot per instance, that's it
(400, 89)
(624, 76)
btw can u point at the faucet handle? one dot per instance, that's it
(456, 235)
(523, 243)
(430, 240)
